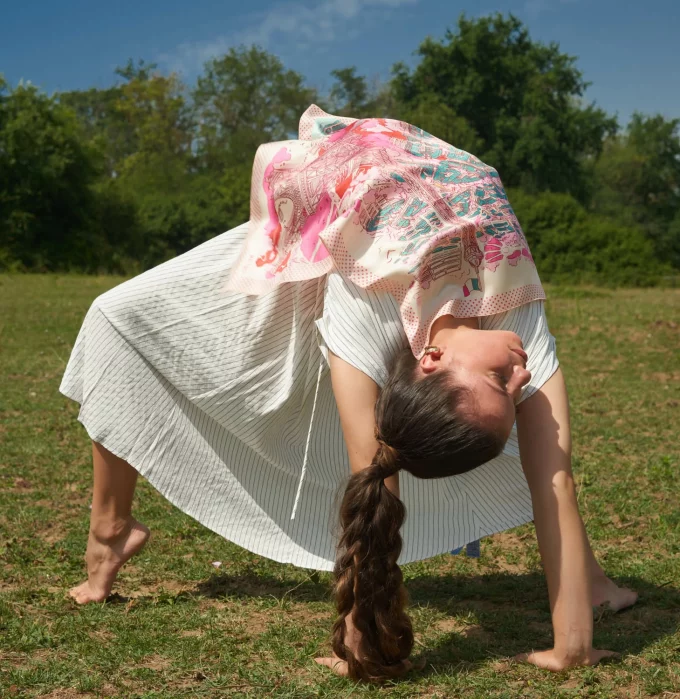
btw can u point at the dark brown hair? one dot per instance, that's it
(425, 426)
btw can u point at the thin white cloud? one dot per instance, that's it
(296, 23)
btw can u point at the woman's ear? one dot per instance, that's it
(430, 361)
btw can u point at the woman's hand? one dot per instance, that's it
(339, 666)
(336, 664)
(556, 662)
(352, 638)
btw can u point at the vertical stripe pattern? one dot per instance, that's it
(209, 395)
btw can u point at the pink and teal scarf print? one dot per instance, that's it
(393, 209)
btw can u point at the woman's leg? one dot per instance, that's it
(115, 535)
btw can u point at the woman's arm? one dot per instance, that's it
(545, 449)
(356, 395)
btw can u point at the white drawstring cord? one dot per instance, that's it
(309, 439)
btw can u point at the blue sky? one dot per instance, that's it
(628, 50)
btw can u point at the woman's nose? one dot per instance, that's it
(520, 378)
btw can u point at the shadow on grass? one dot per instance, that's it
(510, 614)
(492, 616)
(257, 584)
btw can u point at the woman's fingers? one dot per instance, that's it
(339, 666)
(336, 664)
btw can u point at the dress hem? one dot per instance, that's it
(323, 565)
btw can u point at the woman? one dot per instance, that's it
(206, 375)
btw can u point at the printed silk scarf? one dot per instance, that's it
(393, 209)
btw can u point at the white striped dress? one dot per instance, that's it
(210, 394)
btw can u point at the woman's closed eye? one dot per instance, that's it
(504, 381)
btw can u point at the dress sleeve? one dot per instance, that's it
(530, 323)
(362, 327)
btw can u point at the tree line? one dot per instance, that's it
(117, 180)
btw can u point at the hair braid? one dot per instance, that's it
(421, 428)
(369, 583)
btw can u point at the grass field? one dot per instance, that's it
(178, 626)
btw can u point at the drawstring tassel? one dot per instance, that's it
(309, 439)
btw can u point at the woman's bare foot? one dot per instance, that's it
(608, 594)
(106, 553)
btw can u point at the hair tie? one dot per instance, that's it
(388, 458)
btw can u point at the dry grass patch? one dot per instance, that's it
(155, 662)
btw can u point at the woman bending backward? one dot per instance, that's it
(193, 375)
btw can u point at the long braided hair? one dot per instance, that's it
(423, 426)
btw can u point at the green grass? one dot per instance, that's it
(179, 627)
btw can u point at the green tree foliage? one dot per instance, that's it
(156, 173)
(570, 245)
(437, 118)
(101, 119)
(349, 93)
(638, 181)
(122, 178)
(242, 99)
(520, 97)
(101, 124)
(52, 217)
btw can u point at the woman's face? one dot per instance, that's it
(491, 363)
